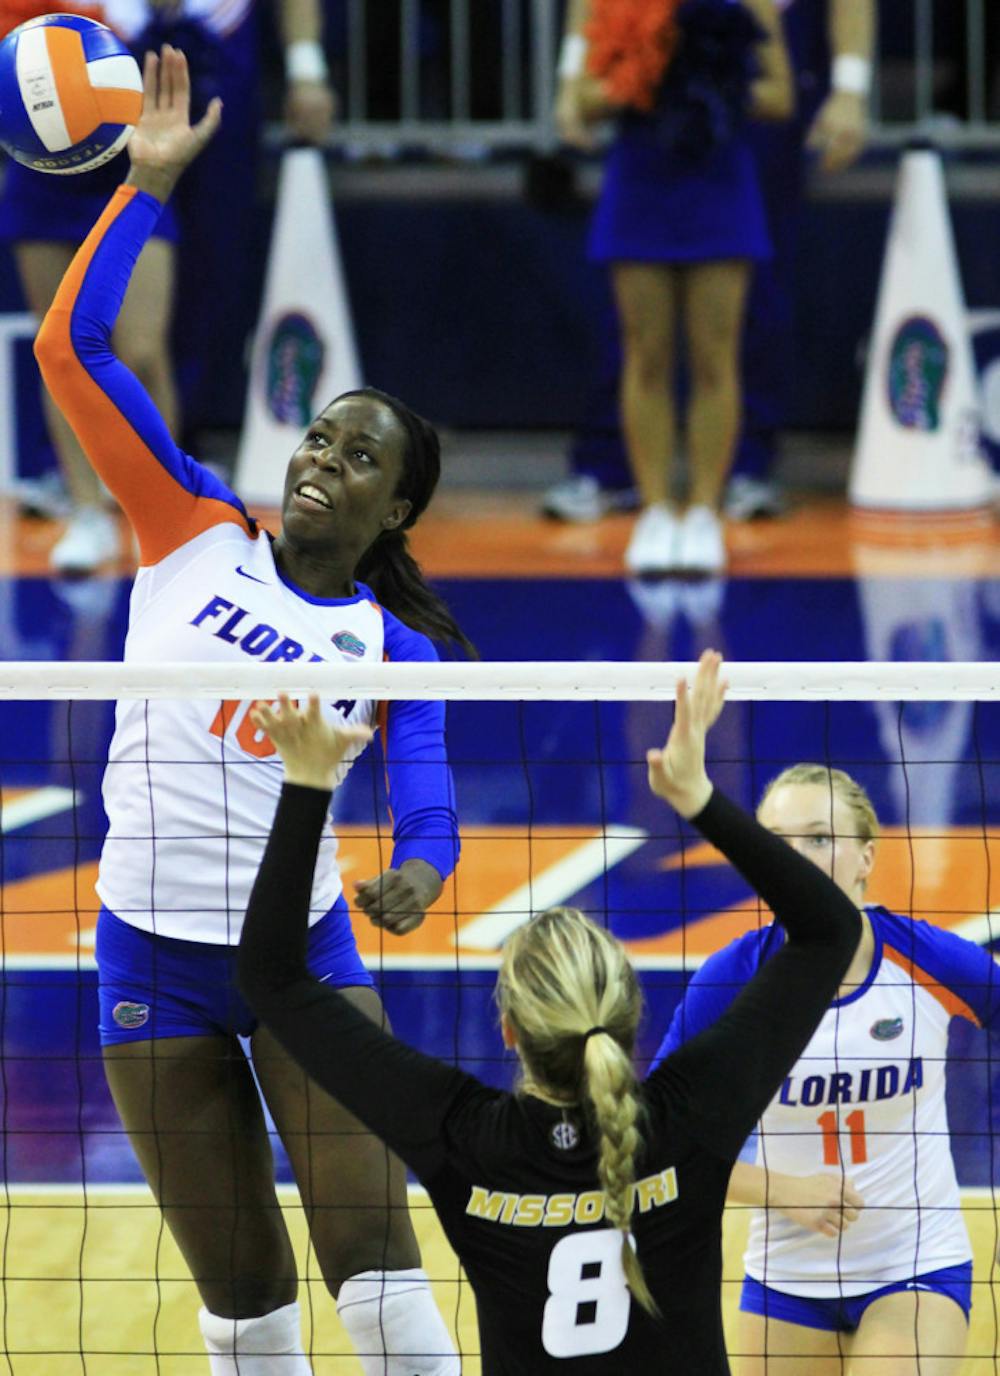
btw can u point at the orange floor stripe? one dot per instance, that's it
(951, 879)
(482, 534)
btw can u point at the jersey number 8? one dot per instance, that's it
(588, 1306)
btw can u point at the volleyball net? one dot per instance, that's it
(553, 805)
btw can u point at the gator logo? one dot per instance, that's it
(130, 1014)
(886, 1029)
(294, 362)
(918, 371)
(349, 644)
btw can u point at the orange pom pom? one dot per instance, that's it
(631, 43)
(16, 12)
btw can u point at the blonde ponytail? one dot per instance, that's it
(610, 1086)
(568, 991)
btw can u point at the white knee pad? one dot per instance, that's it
(270, 1345)
(394, 1324)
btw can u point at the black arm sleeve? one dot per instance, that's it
(403, 1096)
(726, 1076)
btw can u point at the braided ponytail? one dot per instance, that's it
(609, 1084)
(562, 976)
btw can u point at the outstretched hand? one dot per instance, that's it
(677, 772)
(310, 746)
(165, 141)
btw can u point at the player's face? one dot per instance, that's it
(826, 835)
(342, 479)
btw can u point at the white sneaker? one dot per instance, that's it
(44, 498)
(90, 539)
(753, 499)
(701, 547)
(653, 545)
(581, 500)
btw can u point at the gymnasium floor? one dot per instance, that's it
(554, 808)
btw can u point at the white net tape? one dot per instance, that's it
(554, 681)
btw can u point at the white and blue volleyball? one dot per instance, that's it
(70, 94)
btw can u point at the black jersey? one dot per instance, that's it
(513, 1179)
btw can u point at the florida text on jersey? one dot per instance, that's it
(191, 785)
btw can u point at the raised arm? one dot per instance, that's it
(725, 1077)
(167, 496)
(403, 1096)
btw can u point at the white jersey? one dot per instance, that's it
(191, 787)
(866, 1100)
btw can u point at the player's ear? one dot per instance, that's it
(867, 861)
(397, 514)
(507, 1032)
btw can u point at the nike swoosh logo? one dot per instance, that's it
(241, 570)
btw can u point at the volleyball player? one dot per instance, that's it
(191, 788)
(586, 1208)
(858, 1261)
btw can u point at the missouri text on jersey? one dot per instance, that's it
(559, 1210)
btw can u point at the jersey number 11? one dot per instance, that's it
(855, 1123)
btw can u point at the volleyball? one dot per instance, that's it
(70, 94)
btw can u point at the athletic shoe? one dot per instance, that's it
(44, 498)
(90, 539)
(753, 499)
(701, 547)
(653, 544)
(581, 500)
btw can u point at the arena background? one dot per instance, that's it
(462, 232)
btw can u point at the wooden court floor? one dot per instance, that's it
(102, 1289)
(475, 533)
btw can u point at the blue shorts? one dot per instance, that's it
(37, 207)
(842, 1314)
(156, 986)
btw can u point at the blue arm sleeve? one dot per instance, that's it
(713, 987)
(421, 788)
(963, 975)
(168, 497)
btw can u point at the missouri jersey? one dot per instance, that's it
(513, 1179)
(866, 1100)
(191, 785)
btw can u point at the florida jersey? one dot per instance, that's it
(191, 786)
(866, 1100)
